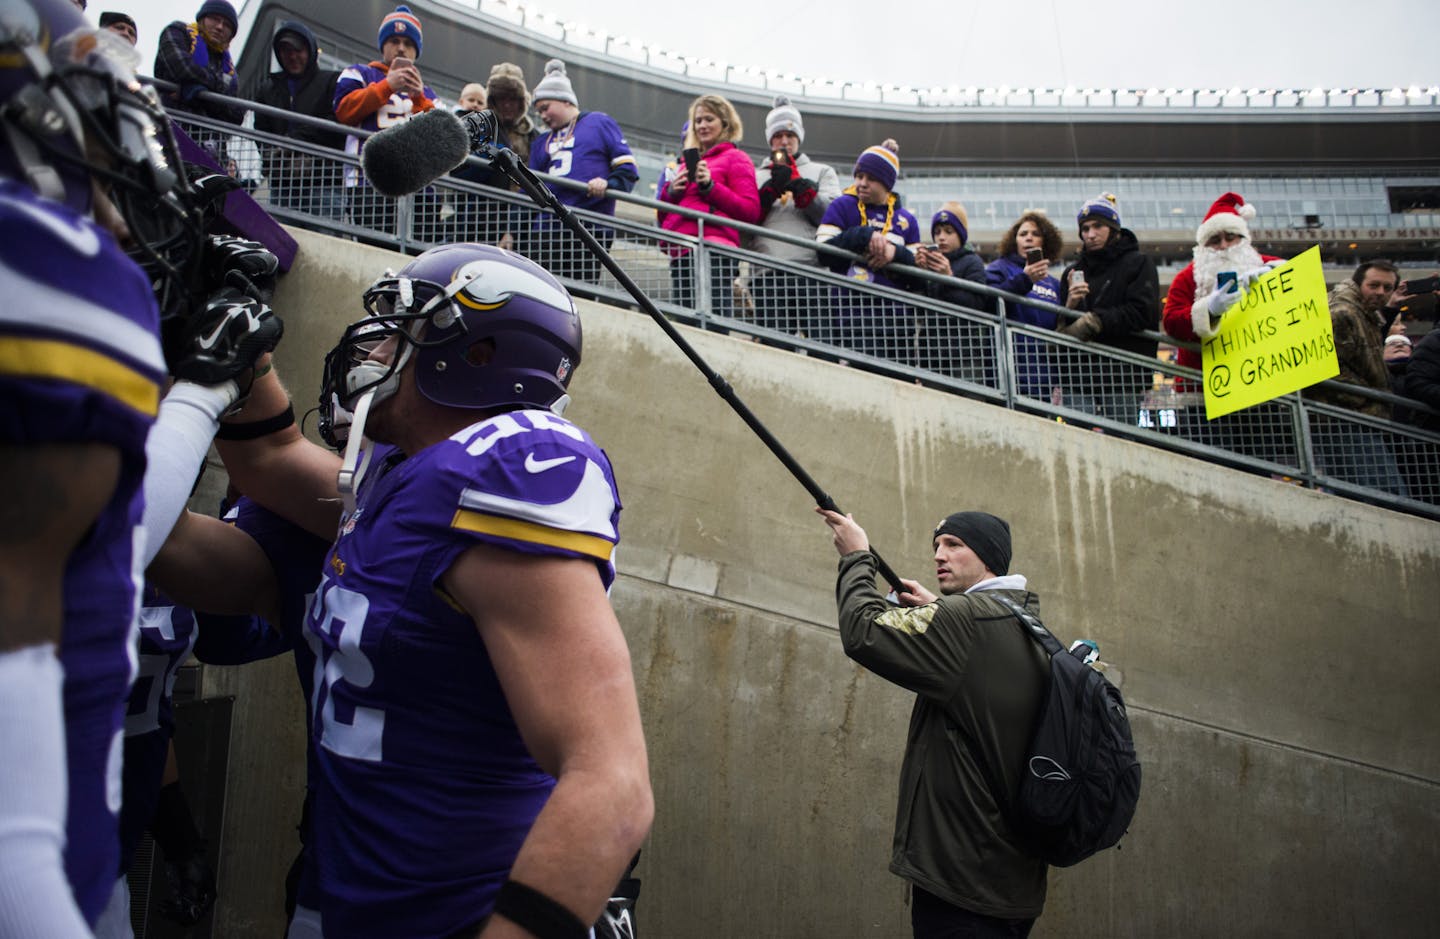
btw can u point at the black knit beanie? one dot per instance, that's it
(983, 533)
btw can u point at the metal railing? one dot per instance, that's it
(970, 349)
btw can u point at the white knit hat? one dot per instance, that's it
(555, 86)
(785, 116)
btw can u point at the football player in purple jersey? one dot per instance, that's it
(480, 762)
(88, 172)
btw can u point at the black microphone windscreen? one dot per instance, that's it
(411, 155)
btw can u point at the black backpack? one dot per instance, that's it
(1082, 778)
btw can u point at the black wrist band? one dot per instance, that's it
(250, 430)
(532, 910)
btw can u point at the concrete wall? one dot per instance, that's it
(1279, 649)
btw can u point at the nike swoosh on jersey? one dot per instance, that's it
(533, 465)
(81, 237)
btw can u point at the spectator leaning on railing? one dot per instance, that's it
(1422, 381)
(951, 345)
(795, 191)
(868, 220)
(478, 218)
(378, 95)
(1196, 302)
(196, 57)
(1118, 290)
(1360, 315)
(585, 146)
(952, 254)
(1033, 235)
(724, 186)
(1363, 309)
(300, 181)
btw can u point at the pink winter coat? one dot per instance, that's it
(734, 195)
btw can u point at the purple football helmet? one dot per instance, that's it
(487, 329)
(72, 112)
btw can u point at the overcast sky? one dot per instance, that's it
(1092, 43)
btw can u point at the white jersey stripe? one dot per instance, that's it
(588, 511)
(61, 315)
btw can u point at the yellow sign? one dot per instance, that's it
(1275, 339)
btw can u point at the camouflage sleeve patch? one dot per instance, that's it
(910, 620)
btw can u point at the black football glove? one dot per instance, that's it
(210, 190)
(192, 885)
(246, 265)
(224, 338)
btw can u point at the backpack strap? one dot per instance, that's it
(1033, 627)
(1037, 631)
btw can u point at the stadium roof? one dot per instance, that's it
(648, 92)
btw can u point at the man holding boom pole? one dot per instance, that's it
(978, 682)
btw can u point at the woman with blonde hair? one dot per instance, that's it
(721, 183)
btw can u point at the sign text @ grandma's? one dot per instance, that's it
(1276, 339)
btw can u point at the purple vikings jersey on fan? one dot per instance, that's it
(426, 790)
(594, 146)
(396, 109)
(80, 361)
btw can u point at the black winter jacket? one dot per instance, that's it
(965, 264)
(313, 96)
(1422, 380)
(1124, 292)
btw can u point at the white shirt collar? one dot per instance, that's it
(1007, 582)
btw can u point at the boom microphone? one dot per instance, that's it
(411, 155)
(482, 126)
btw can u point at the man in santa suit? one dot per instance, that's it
(1197, 301)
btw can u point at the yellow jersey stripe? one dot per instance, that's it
(589, 545)
(62, 361)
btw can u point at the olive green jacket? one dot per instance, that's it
(979, 682)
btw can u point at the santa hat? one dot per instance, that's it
(881, 162)
(401, 23)
(785, 116)
(952, 214)
(1230, 213)
(555, 86)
